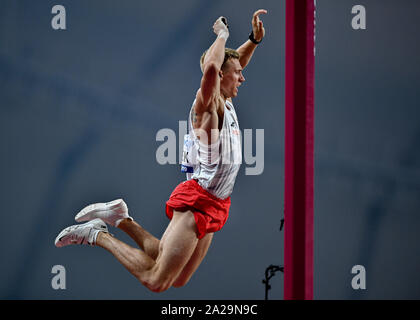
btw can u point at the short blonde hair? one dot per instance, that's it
(229, 54)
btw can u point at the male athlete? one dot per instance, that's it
(197, 207)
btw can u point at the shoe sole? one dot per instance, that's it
(90, 212)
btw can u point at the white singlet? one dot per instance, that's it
(216, 166)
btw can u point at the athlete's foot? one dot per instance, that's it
(81, 234)
(111, 212)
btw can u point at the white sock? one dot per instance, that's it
(92, 237)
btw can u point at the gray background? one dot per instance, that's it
(80, 110)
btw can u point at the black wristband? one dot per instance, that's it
(251, 37)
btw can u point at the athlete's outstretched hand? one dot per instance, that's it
(220, 28)
(257, 25)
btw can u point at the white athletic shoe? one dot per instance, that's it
(81, 234)
(111, 212)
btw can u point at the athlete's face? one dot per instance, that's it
(232, 78)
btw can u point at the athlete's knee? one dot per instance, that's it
(158, 286)
(158, 282)
(180, 282)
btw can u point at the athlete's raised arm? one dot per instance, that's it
(213, 61)
(247, 49)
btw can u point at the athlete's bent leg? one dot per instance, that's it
(195, 260)
(177, 245)
(175, 250)
(134, 260)
(142, 237)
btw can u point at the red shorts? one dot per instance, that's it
(210, 212)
